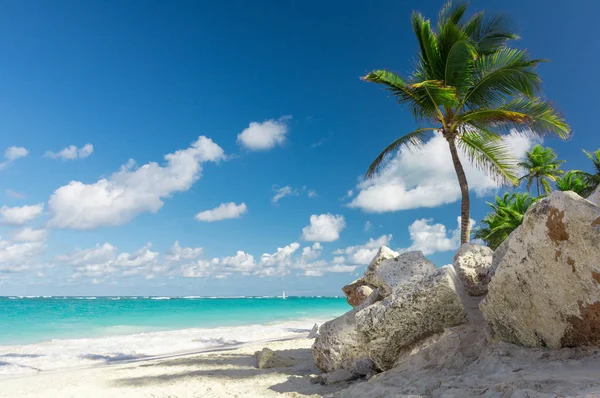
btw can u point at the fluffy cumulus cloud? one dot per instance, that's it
(131, 190)
(71, 152)
(284, 261)
(224, 211)
(432, 238)
(177, 253)
(13, 153)
(30, 235)
(362, 254)
(426, 178)
(16, 257)
(21, 214)
(266, 135)
(282, 192)
(324, 228)
(103, 261)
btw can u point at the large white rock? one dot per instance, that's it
(595, 196)
(473, 264)
(357, 292)
(392, 272)
(336, 346)
(546, 292)
(415, 310)
(384, 253)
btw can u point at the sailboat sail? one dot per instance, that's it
(283, 296)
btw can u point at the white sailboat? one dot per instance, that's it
(283, 296)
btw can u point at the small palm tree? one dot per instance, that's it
(573, 180)
(470, 88)
(593, 179)
(506, 215)
(542, 165)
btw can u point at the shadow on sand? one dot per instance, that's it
(234, 366)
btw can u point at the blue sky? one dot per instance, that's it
(274, 90)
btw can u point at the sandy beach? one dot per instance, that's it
(225, 373)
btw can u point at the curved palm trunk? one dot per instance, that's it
(464, 190)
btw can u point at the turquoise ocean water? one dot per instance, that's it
(39, 319)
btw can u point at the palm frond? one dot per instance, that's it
(500, 76)
(491, 156)
(415, 140)
(429, 55)
(423, 98)
(490, 33)
(541, 117)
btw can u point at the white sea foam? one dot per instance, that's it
(160, 298)
(65, 353)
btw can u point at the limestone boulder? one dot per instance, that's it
(393, 272)
(546, 290)
(268, 358)
(473, 264)
(384, 253)
(336, 346)
(419, 308)
(595, 196)
(357, 292)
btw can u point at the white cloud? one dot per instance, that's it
(324, 228)
(224, 211)
(13, 153)
(278, 263)
(21, 214)
(178, 253)
(266, 135)
(368, 226)
(363, 254)
(426, 178)
(432, 238)
(15, 257)
(199, 269)
(103, 261)
(30, 235)
(139, 258)
(100, 254)
(282, 192)
(71, 152)
(130, 191)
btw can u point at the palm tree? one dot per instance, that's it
(506, 215)
(542, 164)
(593, 179)
(573, 180)
(471, 88)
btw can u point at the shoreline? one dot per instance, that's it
(218, 372)
(175, 355)
(18, 361)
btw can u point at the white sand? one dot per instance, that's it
(228, 373)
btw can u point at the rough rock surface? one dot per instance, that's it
(473, 264)
(336, 347)
(384, 253)
(417, 309)
(498, 255)
(314, 332)
(462, 363)
(357, 292)
(393, 272)
(546, 290)
(268, 358)
(595, 196)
